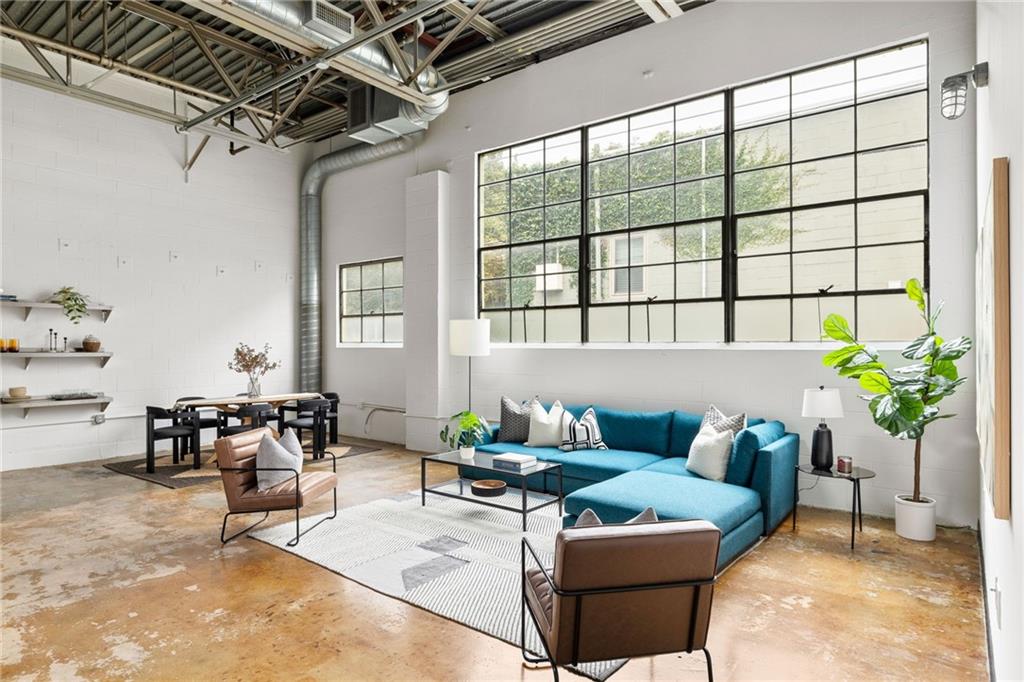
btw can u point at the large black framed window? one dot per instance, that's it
(742, 215)
(371, 302)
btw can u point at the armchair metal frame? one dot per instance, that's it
(298, 534)
(698, 585)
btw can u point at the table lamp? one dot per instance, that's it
(469, 339)
(822, 403)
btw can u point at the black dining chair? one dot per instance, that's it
(316, 422)
(204, 422)
(331, 416)
(184, 424)
(251, 417)
(269, 414)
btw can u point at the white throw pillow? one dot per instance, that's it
(275, 456)
(581, 434)
(545, 426)
(290, 442)
(709, 453)
(588, 517)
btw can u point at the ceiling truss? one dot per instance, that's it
(228, 61)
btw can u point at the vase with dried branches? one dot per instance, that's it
(255, 364)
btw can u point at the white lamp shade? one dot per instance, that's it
(822, 403)
(469, 338)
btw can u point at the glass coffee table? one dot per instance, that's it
(483, 461)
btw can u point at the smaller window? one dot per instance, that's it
(370, 302)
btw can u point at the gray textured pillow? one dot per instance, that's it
(515, 420)
(290, 442)
(715, 418)
(274, 455)
(589, 518)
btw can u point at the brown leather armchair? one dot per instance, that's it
(236, 457)
(620, 591)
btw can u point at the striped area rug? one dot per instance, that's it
(453, 558)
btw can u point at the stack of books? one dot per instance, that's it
(514, 463)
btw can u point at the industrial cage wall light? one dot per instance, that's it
(954, 90)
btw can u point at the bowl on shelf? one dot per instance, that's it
(488, 488)
(91, 344)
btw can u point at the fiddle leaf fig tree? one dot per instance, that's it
(903, 401)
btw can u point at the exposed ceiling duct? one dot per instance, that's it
(398, 116)
(310, 246)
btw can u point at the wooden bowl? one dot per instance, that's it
(91, 346)
(488, 488)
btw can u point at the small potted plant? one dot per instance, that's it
(904, 400)
(470, 430)
(255, 364)
(73, 302)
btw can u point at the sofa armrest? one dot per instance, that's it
(774, 472)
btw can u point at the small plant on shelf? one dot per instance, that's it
(470, 430)
(73, 302)
(255, 364)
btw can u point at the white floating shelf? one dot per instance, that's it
(25, 405)
(29, 306)
(29, 355)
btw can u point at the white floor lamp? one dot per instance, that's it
(469, 339)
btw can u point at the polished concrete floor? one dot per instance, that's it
(106, 576)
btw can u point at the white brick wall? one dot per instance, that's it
(112, 183)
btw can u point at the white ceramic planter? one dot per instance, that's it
(915, 520)
(467, 453)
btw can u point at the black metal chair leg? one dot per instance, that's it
(196, 445)
(174, 450)
(298, 534)
(224, 526)
(711, 669)
(334, 431)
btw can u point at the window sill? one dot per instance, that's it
(735, 346)
(389, 346)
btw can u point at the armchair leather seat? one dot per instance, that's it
(312, 484)
(540, 595)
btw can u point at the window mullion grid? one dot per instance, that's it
(729, 223)
(789, 83)
(856, 206)
(629, 230)
(583, 266)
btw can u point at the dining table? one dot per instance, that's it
(232, 403)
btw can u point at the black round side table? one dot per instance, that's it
(856, 509)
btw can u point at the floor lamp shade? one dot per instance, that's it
(469, 338)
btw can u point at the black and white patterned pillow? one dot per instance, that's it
(715, 418)
(515, 421)
(582, 433)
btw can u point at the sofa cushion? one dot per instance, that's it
(600, 465)
(635, 431)
(671, 465)
(519, 449)
(685, 426)
(673, 497)
(515, 420)
(745, 447)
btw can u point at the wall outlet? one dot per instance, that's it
(997, 597)
(289, 278)
(173, 257)
(221, 271)
(66, 247)
(258, 266)
(124, 263)
(99, 418)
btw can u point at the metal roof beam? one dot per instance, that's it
(482, 25)
(390, 44)
(34, 51)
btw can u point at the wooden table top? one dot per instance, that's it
(229, 402)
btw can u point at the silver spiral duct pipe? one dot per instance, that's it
(371, 55)
(310, 246)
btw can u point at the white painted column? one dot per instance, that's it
(427, 385)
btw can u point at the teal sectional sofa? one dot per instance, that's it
(645, 465)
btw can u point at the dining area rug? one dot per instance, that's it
(182, 475)
(458, 560)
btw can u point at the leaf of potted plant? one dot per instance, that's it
(904, 400)
(73, 302)
(470, 430)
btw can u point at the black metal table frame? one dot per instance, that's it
(856, 508)
(478, 500)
